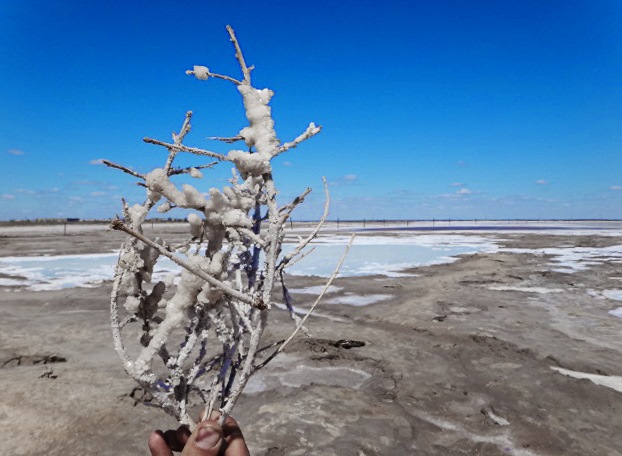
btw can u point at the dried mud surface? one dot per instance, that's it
(458, 362)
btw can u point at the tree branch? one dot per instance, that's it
(311, 131)
(191, 150)
(120, 226)
(239, 56)
(123, 168)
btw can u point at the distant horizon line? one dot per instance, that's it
(63, 220)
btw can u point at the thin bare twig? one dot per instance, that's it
(189, 170)
(311, 131)
(239, 56)
(123, 168)
(191, 150)
(209, 74)
(287, 210)
(302, 244)
(228, 140)
(302, 321)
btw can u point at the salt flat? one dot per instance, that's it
(494, 353)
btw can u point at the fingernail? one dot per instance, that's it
(207, 438)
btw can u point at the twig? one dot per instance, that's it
(286, 210)
(228, 140)
(118, 225)
(217, 76)
(311, 309)
(177, 139)
(123, 168)
(302, 244)
(188, 170)
(239, 56)
(311, 131)
(181, 148)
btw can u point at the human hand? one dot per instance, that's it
(208, 439)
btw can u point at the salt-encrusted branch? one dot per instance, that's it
(191, 169)
(185, 129)
(120, 226)
(124, 169)
(177, 140)
(228, 140)
(248, 368)
(114, 319)
(201, 72)
(254, 238)
(192, 150)
(239, 56)
(229, 265)
(287, 210)
(311, 131)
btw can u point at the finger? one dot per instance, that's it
(206, 440)
(182, 435)
(158, 446)
(236, 445)
(172, 441)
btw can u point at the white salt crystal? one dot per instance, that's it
(196, 224)
(196, 173)
(164, 207)
(200, 72)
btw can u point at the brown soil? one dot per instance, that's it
(449, 366)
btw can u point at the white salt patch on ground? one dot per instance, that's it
(440, 241)
(594, 294)
(383, 255)
(351, 299)
(502, 441)
(610, 381)
(301, 311)
(333, 376)
(540, 290)
(61, 271)
(387, 255)
(616, 295)
(616, 312)
(287, 370)
(569, 260)
(316, 290)
(499, 420)
(12, 283)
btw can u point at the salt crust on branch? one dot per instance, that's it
(199, 336)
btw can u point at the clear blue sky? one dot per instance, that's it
(430, 108)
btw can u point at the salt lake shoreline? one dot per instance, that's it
(464, 358)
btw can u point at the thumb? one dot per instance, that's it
(206, 440)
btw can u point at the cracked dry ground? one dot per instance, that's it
(457, 363)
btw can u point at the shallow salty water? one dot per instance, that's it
(371, 255)
(384, 255)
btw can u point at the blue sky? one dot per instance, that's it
(431, 109)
